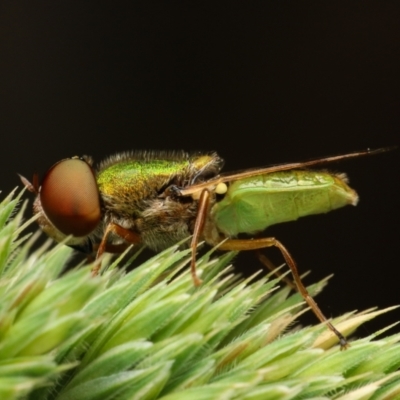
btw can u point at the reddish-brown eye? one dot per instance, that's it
(70, 197)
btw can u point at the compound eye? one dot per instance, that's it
(70, 197)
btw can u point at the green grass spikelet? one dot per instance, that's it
(151, 334)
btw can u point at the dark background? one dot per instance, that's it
(259, 82)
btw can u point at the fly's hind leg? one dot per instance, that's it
(257, 244)
(270, 265)
(126, 234)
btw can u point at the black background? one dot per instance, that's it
(258, 82)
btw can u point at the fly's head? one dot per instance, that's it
(67, 201)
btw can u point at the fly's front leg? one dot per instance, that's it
(256, 244)
(126, 234)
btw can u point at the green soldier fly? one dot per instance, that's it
(157, 199)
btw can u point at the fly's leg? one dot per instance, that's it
(113, 248)
(256, 244)
(126, 234)
(269, 265)
(204, 202)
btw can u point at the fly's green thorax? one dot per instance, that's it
(140, 179)
(132, 177)
(253, 204)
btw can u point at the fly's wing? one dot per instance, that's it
(212, 184)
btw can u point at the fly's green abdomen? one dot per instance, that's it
(251, 205)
